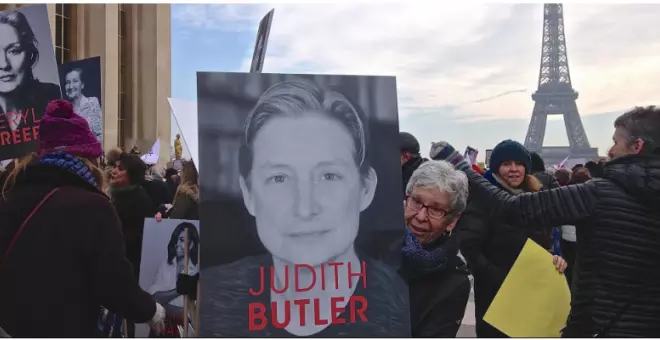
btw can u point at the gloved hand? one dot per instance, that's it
(157, 322)
(443, 151)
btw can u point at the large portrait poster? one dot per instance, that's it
(301, 206)
(28, 80)
(163, 258)
(81, 85)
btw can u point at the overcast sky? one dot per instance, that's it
(465, 72)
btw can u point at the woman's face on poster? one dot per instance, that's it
(305, 189)
(181, 245)
(73, 85)
(13, 61)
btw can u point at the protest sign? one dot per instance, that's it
(534, 300)
(163, 259)
(184, 113)
(261, 44)
(151, 157)
(81, 85)
(300, 179)
(29, 80)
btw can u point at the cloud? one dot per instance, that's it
(459, 61)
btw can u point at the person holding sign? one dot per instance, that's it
(164, 286)
(306, 192)
(436, 195)
(491, 246)
(23, 98)
(60, 239)
(618, 224)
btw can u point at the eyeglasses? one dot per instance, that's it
(434, 213)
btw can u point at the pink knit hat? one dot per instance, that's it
(62, 130)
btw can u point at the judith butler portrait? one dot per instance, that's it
(305, 176)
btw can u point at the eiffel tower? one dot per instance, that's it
(555, 95)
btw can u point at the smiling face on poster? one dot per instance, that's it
(81, 85)
(28, 78)
(302, 193)
(163, 259)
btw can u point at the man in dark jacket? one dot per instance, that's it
(617, 289)
(410, 158)
(539, 171)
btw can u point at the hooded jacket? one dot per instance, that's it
(617, 293)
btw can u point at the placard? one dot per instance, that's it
(81, 85)
(29, 80)
(301, 209)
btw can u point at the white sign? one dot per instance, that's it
(185, 114)
(152, 156)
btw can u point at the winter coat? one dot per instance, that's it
(438, 299)
(186, 203)
(617, 289)
(408, 168)
(157, 191)
(68, 260)
(548, 181)
(133, 205)
(490, 247)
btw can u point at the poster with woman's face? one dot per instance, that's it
(301, 206)
(28, 78)
(81, 85)
(164, 257)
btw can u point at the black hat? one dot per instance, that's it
(509, 150)
(409, 143)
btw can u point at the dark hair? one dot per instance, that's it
(595, 169)
(563, 176)
(26, 36)
(294, 99)
(642, 123)
(538, 165)
(580, 176)
(134, 166)
(193, 236)
(577, 167)
(80, 73)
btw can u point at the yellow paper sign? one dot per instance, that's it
(534, 300)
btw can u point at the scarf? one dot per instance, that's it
(419, 260)
(114, 191)
(70, 163)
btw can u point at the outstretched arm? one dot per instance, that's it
(559, 206)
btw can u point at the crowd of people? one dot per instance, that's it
(73, 218)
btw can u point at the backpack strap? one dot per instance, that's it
(27, 219)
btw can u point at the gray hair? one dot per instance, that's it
(442, 175)
(155, 172)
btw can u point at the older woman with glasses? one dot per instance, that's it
(439, 286)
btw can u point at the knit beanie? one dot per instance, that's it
(62, 130)
(538, 165)
(510, 150)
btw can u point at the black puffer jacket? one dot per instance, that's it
(618, 290)
(548, 181)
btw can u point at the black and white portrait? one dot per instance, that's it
(300, 187)
(163, 259)
(28, 77)
(81, 85)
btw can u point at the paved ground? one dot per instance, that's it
(467, 329)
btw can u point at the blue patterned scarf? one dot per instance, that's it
(419, 260)
(70, 163)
